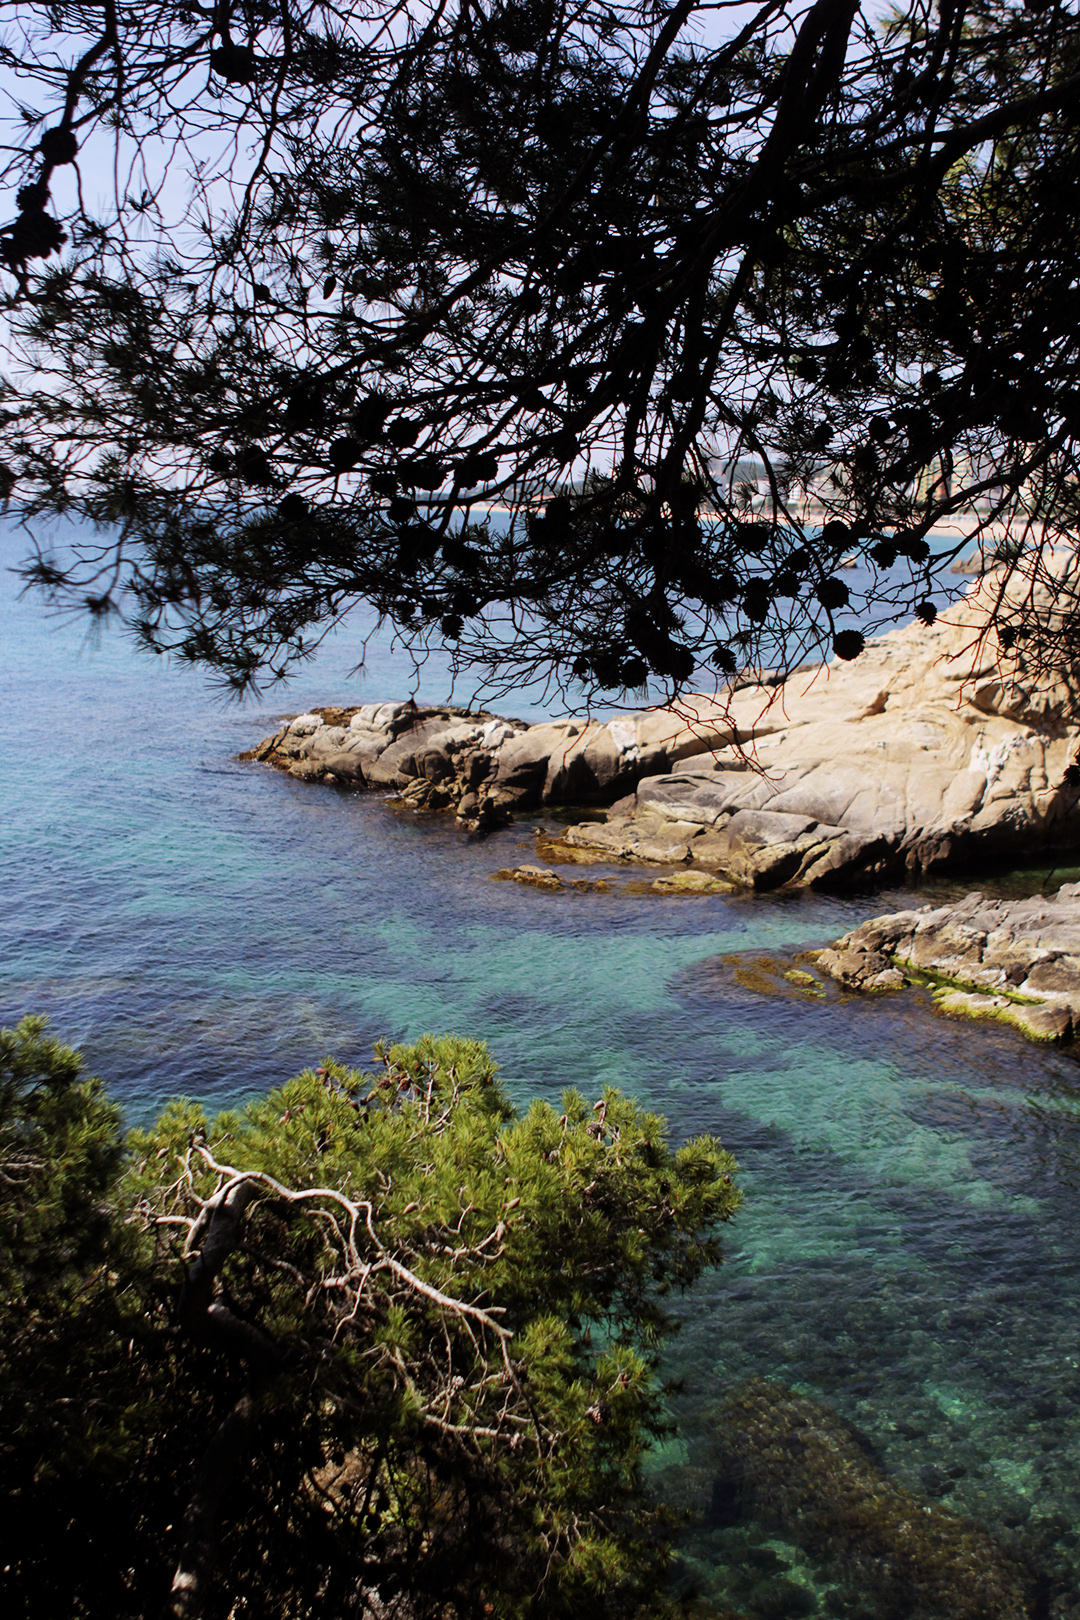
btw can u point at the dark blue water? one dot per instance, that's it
(909, 1251)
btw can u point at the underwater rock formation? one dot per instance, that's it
(797, 1465)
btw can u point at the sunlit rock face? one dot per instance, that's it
(933, 748)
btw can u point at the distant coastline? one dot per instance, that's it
(962, 524)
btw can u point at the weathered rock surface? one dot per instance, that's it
(930, 750)
(1014, 960)
(438, 757)
(482, 765)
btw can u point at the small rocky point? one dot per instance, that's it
(1014, 960)
(542, 877)
(935, 748)
(482, 766)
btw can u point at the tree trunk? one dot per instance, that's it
(202, 1517)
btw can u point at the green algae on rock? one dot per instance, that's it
(1016, 961)
(797, 1464)
(772, 976)
(691, 883)
(539, 877)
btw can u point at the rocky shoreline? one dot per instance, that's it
(935, 749)
(482, 765)
(1016, 961)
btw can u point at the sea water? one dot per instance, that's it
(909, 1249)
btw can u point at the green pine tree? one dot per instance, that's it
(375, 1344)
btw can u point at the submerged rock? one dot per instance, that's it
(691, 883)
(795, 1464)
(1014, 960)
(541, 877)
(537, 877)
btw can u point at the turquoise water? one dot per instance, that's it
(910, 1246)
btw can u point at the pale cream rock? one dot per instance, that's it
(926, 752)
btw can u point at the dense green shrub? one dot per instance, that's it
(87, 1372)
(374, 1344)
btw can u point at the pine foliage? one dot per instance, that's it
(641, 285)
(392, 1346)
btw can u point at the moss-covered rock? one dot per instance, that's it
(692, 883)
(1015, 961)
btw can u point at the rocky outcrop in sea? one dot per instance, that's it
(935, 748)
(1017, 961)
(483, 765)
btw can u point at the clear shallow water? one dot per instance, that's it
(910, 1246)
